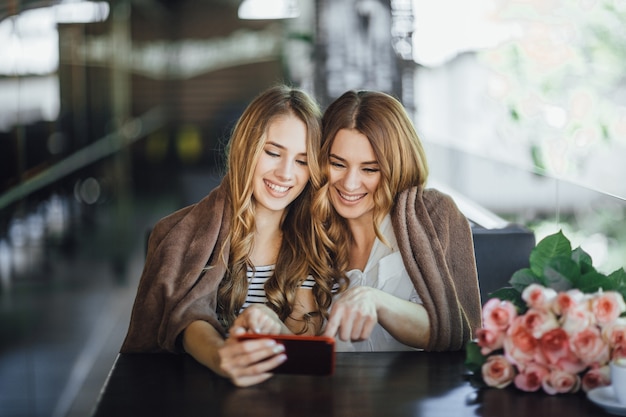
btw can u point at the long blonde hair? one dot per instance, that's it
(295, 260)
(399, 153)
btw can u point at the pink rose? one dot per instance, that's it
(608, 306)
(531, 379)
(619, 352)
(615, 333)
(539, 321)
(589, 347)
(520, 346)
(538, 296)
(577, 318)
(596, 377)
(489, 340)
(555, 344)
(561, 382)
(497, 371)
(555, 348)
(566, 301)
(498, 315)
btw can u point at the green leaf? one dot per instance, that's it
(522, 278)
(474, 360)
(593, 281)
(581, 257)
(560, 272)
(586, 268)
(512, 295)
(549, 247)
(505, 293)
(619, 278)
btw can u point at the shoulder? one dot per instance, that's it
(437, 200)
(429, 205)
(431, 199)
(168, 222)
(212, 206)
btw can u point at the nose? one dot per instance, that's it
(285, 170)
(352, 180)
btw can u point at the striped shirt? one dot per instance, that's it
(256, 285)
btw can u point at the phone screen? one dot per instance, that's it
(310, 355)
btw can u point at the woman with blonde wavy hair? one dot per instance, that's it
(241, 259)
(406, 250)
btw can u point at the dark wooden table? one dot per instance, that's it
(364, 385)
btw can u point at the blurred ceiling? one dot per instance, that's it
(12, 7)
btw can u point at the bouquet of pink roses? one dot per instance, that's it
(556, 328)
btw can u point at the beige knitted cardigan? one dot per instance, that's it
(433, 235)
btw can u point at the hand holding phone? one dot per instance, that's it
(310, 355)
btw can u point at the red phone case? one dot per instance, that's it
(310, 355)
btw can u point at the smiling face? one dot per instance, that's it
(281, 172)
(354, 175)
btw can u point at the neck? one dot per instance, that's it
(363, 237)
(267, 221)
(267, 238)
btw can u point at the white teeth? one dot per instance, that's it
(277, 188)
(351, 197)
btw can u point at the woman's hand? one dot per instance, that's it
(249, 362)
(259, 318)
(245, 362)
(353, 314)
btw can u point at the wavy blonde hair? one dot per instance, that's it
(399, 153)
(297, 256)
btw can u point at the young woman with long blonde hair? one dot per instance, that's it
(406, 250)
(242, 259)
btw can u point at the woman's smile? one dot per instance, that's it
(351, 198)
(277, 189)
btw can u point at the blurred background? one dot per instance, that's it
(115, 113)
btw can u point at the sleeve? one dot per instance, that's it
(173, 290)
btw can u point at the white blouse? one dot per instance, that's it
(385, 271)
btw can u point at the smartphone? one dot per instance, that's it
(310, 355)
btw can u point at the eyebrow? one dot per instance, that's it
(278, 145)
(332, 155)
